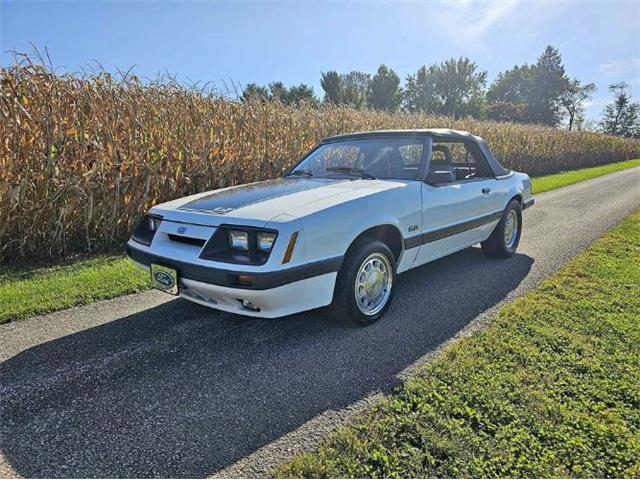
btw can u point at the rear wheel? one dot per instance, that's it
(366, 281)
(505, 238)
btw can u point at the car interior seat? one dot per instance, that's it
(388, 164)
(441, 169)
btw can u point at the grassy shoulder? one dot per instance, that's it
(551, 388)
(551, 182)
(41, 290)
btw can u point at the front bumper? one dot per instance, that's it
(528, 203)
(276, 293)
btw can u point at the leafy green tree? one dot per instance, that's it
(301, 94)
(572, 101)
(384, 90)
(540, 87)
(548, 86)
(345, 89)
(354, 88)
(278, 91)
(459, 88)
(253, 91)
(512, 86)
(419, 91)
(454, 88)
(621, 116)
(331, 83)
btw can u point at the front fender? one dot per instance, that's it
(330, 232)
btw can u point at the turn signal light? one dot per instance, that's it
(245, 280)
(290, 247)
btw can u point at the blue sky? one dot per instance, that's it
(251, 41)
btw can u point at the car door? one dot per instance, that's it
(462, 211)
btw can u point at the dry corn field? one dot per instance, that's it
(82, 157)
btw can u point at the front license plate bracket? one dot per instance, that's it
(164, 278)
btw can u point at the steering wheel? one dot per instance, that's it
(383, 163)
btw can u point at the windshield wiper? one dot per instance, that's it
(308, 173)
(351, 171)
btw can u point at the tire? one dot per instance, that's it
(503, 242)
(363, 252)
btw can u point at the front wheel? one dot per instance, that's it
(366, 282)
(505, 238)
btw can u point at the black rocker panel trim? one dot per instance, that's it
(441, 233)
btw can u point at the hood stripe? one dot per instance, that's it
(237, 197)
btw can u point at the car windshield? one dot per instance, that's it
(369, 158)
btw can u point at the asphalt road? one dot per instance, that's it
(148, 385)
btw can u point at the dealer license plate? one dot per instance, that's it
(164, 278)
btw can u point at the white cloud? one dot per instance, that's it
(492, 14)
(597, 102)
(470, 24)
(621, 68)
(467, 23)
(594, 107)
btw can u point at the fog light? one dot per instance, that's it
(250, 306)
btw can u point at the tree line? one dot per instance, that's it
(540, 93)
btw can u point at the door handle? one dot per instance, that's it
(486, 190)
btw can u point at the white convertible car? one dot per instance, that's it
(338, 228)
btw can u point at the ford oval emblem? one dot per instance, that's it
(182, 229)
(163, 278)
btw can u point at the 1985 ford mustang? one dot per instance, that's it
(338, 228)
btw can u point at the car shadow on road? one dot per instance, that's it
(182, 391)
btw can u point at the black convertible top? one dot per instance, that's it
(441, 134)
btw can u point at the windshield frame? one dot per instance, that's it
(422, 168)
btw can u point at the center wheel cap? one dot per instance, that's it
(373, 283)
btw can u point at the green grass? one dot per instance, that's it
(551, 182)
(551, 388)
(40, 290)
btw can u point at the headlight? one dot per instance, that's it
(246, 245)
(265, 241)
(239, 239)
(146, 229)
(154, 223)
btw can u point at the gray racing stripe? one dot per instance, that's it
(231, 199)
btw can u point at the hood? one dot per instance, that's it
(229, 199)
(257, 203)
